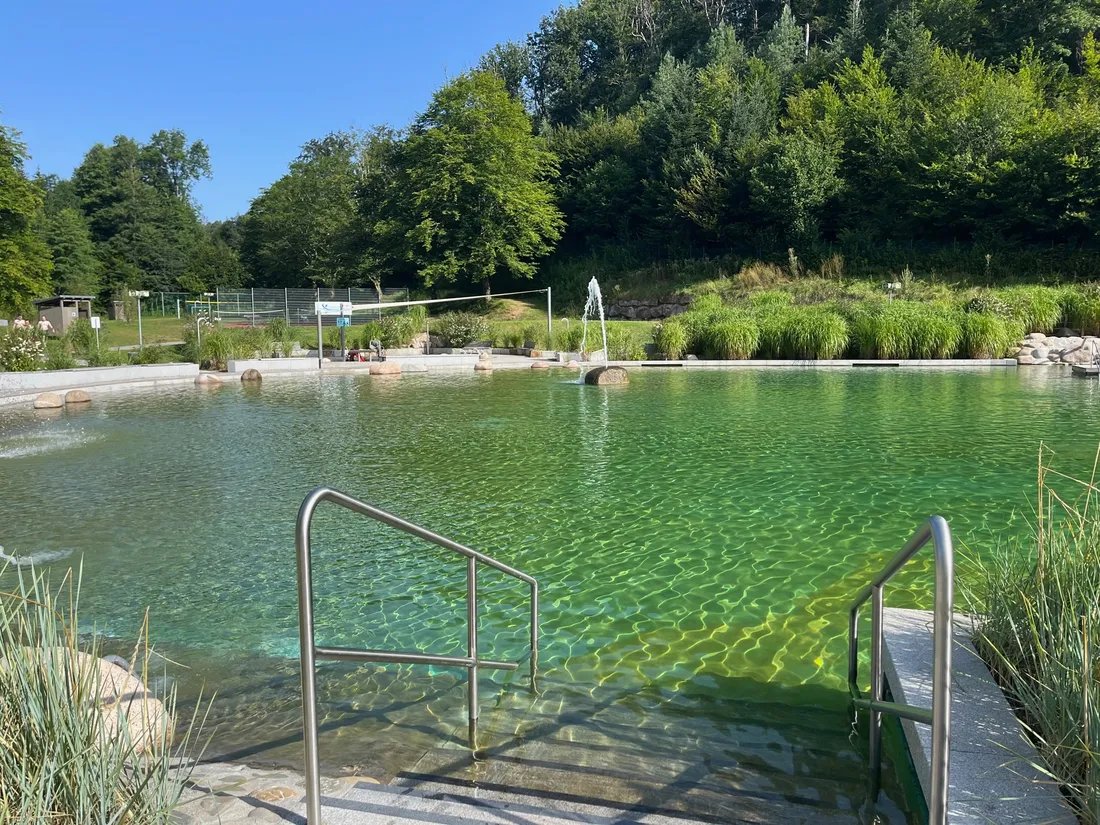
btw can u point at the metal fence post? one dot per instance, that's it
(253, 291)
(286, 303)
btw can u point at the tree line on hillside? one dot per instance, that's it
(660, 124)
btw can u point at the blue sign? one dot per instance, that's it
(343, 322)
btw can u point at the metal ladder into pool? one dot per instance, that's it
(934, 530)
(310, 652)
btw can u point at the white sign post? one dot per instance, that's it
(96, 323)
(139, 294)
(322, 308)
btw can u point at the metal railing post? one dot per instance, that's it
(938, 532)
(549, 321)
(941, 671)
(471, 648)
(534, 633)
(875, 752)
(308, 658)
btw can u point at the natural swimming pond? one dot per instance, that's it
(698, 537)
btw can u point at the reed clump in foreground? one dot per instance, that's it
(72, 752)
(1040, 602)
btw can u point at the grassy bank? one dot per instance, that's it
(1041, 605)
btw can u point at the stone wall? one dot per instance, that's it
(647, 309)
(1040, 350)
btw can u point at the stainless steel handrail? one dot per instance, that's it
(939, 717)
(310, 652)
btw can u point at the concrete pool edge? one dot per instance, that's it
(992, 779)
(22, 388)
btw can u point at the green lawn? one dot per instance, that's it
(154, 330)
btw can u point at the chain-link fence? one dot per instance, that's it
(259, 307)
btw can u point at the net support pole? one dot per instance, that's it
(549, 321)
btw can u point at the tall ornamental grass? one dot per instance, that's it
(814, 333)
(67, 755)
(1082, 305)
(1040, 602)
(1038, 308)
(986, 335)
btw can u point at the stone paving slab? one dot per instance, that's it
(992, 777)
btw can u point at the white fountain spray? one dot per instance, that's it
(591, 306)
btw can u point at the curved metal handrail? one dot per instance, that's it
(937, 531)
(310, 652)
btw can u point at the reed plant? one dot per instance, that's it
(986, 335)
(1038, 308)
(67, 752)
(1082, 307)
(814, 333)
(1039, 600)
(731, 336)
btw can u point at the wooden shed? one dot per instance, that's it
(63, 310)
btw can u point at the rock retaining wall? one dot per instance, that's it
(1038, 349)
(647, 309)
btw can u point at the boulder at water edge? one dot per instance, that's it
(573, 364)
(48, 401)
(251, 375)
(385, 368)
(77, 397)
(483, 365)
(604, 376)
(207, 379)
(540, 365)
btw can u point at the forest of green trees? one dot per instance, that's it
(665, 128)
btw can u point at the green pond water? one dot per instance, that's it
(697, 536)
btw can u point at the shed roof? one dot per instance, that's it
(56, 298)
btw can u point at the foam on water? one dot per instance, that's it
(27, 444)
(37, 559)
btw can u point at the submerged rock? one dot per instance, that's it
(604, 376)
(540, 365)
(77, 397)
(208, 379)
(251, 374)
(385, 368)
(483, 365)
(48, 401)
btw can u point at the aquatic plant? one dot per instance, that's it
(1082, 308)
(988, 336)
(814, 333)
(69, 754)
(671, 338)
(1040, 628)
(1038, 308)
(732, 336)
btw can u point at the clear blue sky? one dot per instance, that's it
(253, 80)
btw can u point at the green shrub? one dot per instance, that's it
(61, 762)
(535, 334)
(671, 338)
(460, 329)
(104, 357)
(733, 336)
(250, 341)
(217, 346)
(82, 337)
(20, 351)
(155, 354)
(569, 339)
(814, 333)
(58, 356)
(370, 331)
(623, 344)
(988, 336)
(988, 303)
